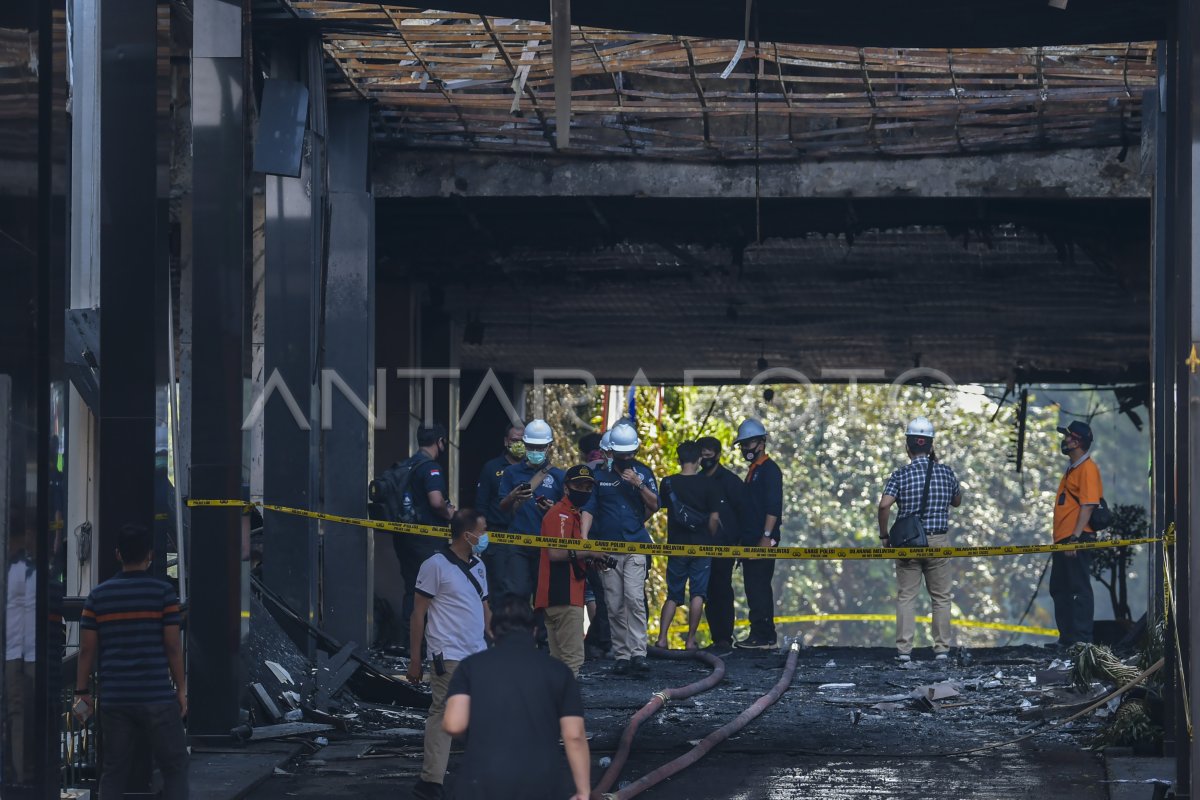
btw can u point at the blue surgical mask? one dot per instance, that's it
(536, 457)
(480, 546)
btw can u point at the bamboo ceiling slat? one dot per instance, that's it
(450, 80)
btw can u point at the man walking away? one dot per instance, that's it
(718, 608)
(562, 573)
(906, 486)
(1079, 493)
(516, 703)
(131, 623)
(762, 511)
(693, 518)
(625, 497)
(451, 613)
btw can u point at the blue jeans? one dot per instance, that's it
(687, 570)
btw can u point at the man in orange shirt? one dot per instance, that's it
(562, 573)
(1079, 494)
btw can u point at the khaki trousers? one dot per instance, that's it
(564, 634)
(939, 580)
(437, 741)
(625, 594)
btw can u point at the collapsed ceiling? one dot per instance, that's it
(466, 81)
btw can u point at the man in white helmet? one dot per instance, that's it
(762, 510)
(907, 487)
(625, 497)
(527, 489)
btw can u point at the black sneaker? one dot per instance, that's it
(722, 648)
(427, 790)
(756, 642)
(621, 667)
(639, 665)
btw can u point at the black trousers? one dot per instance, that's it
(718, 609)
(598, 633)
(124, 728)
(1071, 590)
(514, 571)
(760, 597)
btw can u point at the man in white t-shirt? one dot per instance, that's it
(451, 613)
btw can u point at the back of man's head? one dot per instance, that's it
(688, 452)
(918, 445)
(464, 519)
(511, 613)
(429, 434)
(134, 544)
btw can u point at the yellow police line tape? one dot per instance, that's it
(713, 551)
(961, 623)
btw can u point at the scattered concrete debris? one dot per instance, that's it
(287, 729)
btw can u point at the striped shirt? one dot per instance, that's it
(128, 613)
(908, 483)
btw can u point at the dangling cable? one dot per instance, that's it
(753, 9)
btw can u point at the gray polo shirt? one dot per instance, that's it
(454, 626)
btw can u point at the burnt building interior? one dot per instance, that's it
(231, 228)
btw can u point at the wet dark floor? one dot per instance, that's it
(814, 743)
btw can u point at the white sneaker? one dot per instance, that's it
(904, 658)
(942, 657)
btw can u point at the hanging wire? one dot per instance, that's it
(757, 141)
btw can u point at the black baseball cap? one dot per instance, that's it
(1080, 429)
(580, 472)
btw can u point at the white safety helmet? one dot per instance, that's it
(750, 429)
(606, 442)
(623, 438)
(920, 427)
(538, 432)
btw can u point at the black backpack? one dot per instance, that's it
(389, 497)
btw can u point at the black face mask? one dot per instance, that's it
(708, 463)
(578, 497)
(622, 464)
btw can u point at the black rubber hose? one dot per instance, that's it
(656, 702)
(716, 737)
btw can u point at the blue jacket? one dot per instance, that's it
(528, 518)
(617, 507)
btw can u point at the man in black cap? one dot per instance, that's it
(1079, 494)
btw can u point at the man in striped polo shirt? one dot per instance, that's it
(131, 621)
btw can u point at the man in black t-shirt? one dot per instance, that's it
(718, 606)
(693, 518)
(427, 488)
(514, 702)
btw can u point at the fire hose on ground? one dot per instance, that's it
(673, 767)
(656, 702)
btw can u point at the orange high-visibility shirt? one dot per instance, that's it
(1080, 486)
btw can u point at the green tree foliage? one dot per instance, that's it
(837, 445)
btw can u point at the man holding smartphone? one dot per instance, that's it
(528, 489)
